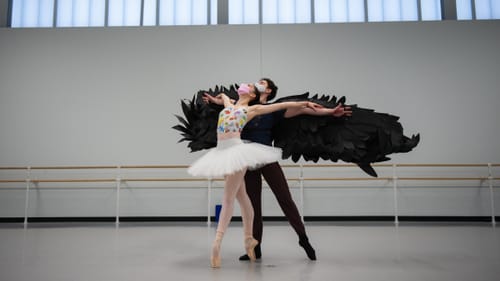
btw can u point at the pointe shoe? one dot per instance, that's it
(215, 257)
(258, 254)
(215, 261)
(250, 244)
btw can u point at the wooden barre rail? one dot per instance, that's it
(96, 167)
(116, 177)
(386, 165)
(446, 165)
(398, 178)
(80, 180)
(186, 166)
(220, 179)
(107, 180)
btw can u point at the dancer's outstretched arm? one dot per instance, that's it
(319, 110)
(260, 109)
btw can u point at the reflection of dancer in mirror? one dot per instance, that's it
(232, 157)
(259, 130)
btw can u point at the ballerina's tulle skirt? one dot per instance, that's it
(233, 155)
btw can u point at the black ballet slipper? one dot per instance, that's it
(304, 243)
(258, 254)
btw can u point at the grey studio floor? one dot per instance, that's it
(180, 251)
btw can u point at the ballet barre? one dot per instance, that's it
(118, 180)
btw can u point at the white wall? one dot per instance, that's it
(107, 96)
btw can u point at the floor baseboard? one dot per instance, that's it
(268, 218)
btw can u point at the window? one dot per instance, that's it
(80, 13)
(392, 10)
(464, 10)
(243, 12)
(32, 13)
(179, 12)
(85, 13)
(487, 9)
(124, 13)
(339, 11)
(431, 9)
(149, 13)
(478, 9)
(88, 13)
(282, 11)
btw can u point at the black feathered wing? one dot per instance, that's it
(365, 137)
(199, 124)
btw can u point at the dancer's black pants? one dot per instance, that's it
(275, 178)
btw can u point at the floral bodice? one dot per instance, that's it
(232, 120)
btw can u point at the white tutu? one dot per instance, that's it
(233, 155)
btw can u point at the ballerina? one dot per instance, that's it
(232, 157)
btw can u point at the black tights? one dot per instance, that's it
(273, 174)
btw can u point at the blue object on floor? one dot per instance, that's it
(217, 212)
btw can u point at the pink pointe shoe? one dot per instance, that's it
(250, 244)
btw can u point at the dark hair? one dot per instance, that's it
(272, 86)
(256, 100)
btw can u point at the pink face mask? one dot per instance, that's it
(243, 89)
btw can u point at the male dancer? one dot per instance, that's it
(259, 130)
